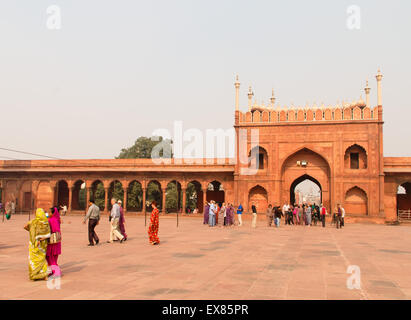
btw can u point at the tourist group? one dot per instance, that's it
(220, 214)
(45, 235)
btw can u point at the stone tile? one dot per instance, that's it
(196, 262)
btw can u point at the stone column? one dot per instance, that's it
(106, 199)
(125, 199)
(163, 193)
(87, 197)
(144, 199)
(184, 199)
(70, 198)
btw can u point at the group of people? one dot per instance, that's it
(305, 214)
(44, 244)
(218, 214)
(45, 235)
(116, 220)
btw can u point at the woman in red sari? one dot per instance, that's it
(154, 222)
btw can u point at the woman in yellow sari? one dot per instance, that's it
(39, 230)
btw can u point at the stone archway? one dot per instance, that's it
(258, 196)
(294, 199)
(306, 164)
(215, 191)
(356, 202)
(404, 197)
(62, 193)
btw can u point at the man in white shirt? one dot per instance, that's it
(115, 217)
(342, 216)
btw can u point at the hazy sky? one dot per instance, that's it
(117, 70)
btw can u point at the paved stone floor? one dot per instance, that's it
(198, 262)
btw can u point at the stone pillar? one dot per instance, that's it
(163, 206)
(125, 199)
(87, 197)
(184, 199)
(106, 199)
(70, 198)
(144, 199)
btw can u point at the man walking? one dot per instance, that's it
(115, 217)
(93, 216)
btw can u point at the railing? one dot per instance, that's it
(404, 215)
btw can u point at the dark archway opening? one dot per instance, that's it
(215, 191)
(300, 193)
(62, 193)
(404, 201)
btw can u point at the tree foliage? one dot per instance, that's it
(143, 147)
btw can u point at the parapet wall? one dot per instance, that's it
(259, 115)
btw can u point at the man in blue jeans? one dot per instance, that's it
(211, 214)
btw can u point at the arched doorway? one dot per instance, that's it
(154, 193)
(62, 193)
(115, 191)
(135, 196)
(404, 201)
(305, 164)
(78, 201)
(215, 191)
(98, 194)
(173, 197)
(259, 197)
(195, 196)
(356, 202)
(305, 189)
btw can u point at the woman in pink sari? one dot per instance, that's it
(54, 249)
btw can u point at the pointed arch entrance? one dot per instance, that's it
(305, 164)
(295, 196)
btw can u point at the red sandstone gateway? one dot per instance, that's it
(339, 148)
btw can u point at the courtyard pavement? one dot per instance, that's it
(194, 261)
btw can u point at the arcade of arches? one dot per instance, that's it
(338, 149)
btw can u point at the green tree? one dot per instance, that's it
(153, 193)
(135, 197)
(172, 204)
(98, 195)
(143, 146)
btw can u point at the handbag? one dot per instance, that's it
(55, 237)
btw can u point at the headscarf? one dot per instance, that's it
(39, 226)
(55, 221)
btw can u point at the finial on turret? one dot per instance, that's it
(250, 97)
(367, 90)
(272, 99)
(379, 93)
(237, 93)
